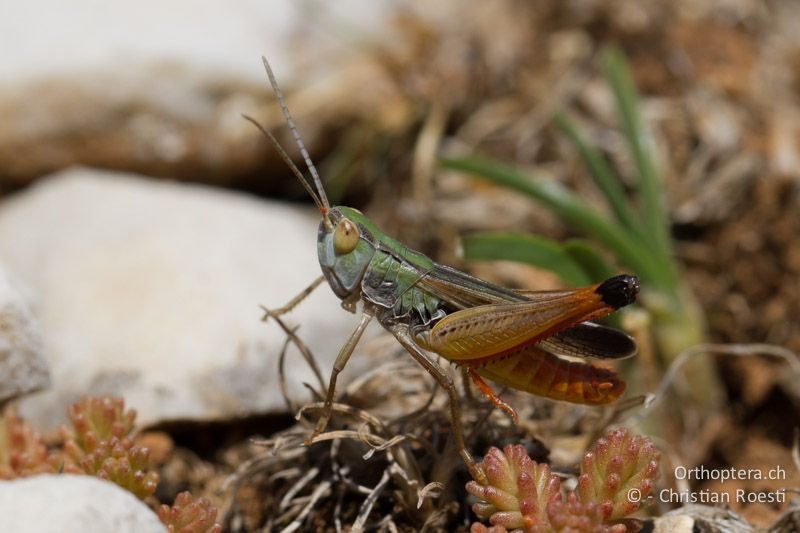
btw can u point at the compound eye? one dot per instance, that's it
(345, 237)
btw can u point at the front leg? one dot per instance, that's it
(293, 302)
(338, 365)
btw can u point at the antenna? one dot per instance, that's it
(289, 162)
(321, 197)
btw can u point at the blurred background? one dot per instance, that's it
(674, 125)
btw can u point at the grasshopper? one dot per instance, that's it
(511, 337)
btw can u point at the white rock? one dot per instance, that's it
(673, 524)
(47, 503)
(22, 365)
(151, 290)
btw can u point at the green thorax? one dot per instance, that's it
(389, 272)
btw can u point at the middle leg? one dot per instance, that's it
(402, 335)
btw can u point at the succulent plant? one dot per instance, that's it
(521, 495)
(189, 515)
(618, 466)
(576, 516)
(22, 452)
(122, 463)
(518, 489)
(99, 444)
(95, 419)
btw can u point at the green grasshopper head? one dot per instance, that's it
(345, 247)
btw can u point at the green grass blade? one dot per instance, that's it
(590, 260)
(567, 206)
(524, 248)
(603, 176)
(653, 210)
